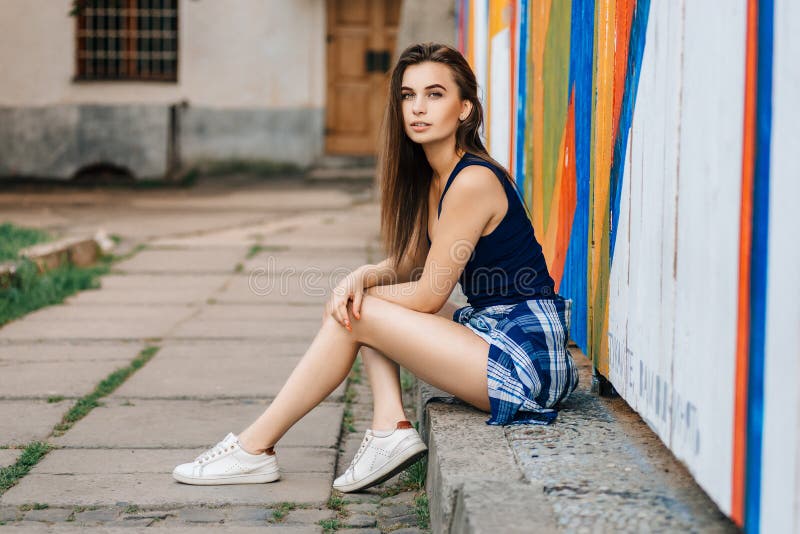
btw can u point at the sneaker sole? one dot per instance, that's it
(406, 458)
(259, 478)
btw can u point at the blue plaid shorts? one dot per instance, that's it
(530, 370)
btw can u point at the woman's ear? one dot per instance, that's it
(466, 109)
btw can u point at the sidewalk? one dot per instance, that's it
(220, 345)
(597, 468)
(224, 343)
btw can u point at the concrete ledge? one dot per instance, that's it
(78, 251)
(474, 484)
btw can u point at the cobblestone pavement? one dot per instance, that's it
(604, 470)
(209, 317)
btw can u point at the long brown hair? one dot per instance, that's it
(404, 172)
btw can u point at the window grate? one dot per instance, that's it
(128, 40)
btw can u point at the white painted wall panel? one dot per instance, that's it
(709, 200)
(780, 490)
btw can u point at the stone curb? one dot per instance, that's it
(474, 483)
(79, 251)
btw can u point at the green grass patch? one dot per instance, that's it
(281, 510)
(356, 374)
(407, 380)
(330, 525)
(14, 238)
(87, 403)
(29, 457)
(336, 502)
(29, 290)
(54, 399)
(258, 248)
(413, 478)
(423, 511)
(33, 506)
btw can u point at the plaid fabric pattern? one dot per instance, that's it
(530, 369)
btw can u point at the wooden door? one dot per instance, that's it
(360, 46)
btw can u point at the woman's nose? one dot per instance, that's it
(419, 105)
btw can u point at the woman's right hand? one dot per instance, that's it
(350, 288)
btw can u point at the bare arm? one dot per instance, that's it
(384, 273)
(465, 214)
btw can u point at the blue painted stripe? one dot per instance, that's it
(635, 53)
(758, 268)
(522, 91)
(576, 267)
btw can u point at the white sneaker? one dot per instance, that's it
(382, 455)
(227, 463)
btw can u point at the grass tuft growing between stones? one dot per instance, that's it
(413, 478)
(29, 290)
(29, 457)
(330, 525)
(87, 403)
(14, 238)
(281, 510)
(422, 509)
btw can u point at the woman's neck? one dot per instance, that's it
(442, 161)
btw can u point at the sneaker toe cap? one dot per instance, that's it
(186, 470)
(342, 480)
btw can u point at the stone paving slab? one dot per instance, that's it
(86, 329)
(121, 312)
(46, 379)
(40, 528)
(267, 200)
(266, 312)
(212, 374)
(24, 421)
(190, 424)
(301, 329)
(198, 281)
(69, 351)
(132, 461)
(270, 290)
(150, 296)
(9, 456)
(213, 348)
(183, 260)
(150, 489)
(290, 261)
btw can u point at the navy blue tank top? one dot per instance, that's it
(507, 265)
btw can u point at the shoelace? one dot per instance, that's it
(217, 449)
(360, 451)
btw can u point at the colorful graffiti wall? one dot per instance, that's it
(653, 140)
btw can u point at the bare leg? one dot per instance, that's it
(384, 380)
(387, 397)
(441, 352)
(322, 368)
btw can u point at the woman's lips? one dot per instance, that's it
(420, 128)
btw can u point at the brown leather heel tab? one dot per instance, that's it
(270, 451)
(404, 424)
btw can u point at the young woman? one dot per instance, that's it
(449, 213)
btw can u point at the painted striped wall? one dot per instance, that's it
(656, 143)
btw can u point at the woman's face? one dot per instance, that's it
(429, 97)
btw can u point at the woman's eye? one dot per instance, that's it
(436, 94)
(406, 95)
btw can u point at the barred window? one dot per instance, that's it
(127, 40)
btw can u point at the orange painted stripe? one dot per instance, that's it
(624, 19)
(562, 214)
(738, 472)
